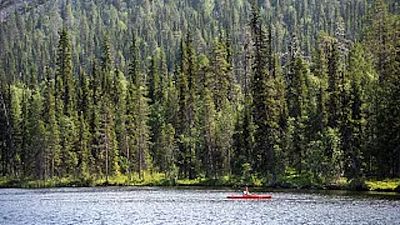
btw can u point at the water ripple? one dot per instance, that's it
(156, 206)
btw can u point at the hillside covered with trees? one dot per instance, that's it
(234, 90)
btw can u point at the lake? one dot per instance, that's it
(156, 206)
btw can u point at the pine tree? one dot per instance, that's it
(243, 139)
(154, 79)
(84, 148)
(52, 127)
(3, 135)
(6, 139)
(69, 154)
(84, 104)
(282, 118)
(66, 105)
(296, 101)
(265, 112)
(65, 83)
(121, 97)
(108, 152)
(334, 73)
(157, 84)
(134, 65)
(130, 129)
(23, 152)
(133, 78)
(382, 40)
(221, 79)
(15, 128)
(141, 142)
(319, 69)
(211, 152)
(106, 63)
(378, 37)
(35, 156)
(187, 110)
(94, 121)
(168, 147)
(225, 128)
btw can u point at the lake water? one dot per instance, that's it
(156, 206)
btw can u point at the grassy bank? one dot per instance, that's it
(384, 185)
(156, 179)
(293, 181)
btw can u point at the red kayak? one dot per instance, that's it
(249, 196)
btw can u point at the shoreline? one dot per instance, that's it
(386, 185)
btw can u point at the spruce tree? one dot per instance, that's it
(94, 121)
(221, 80)
(141, 139)
(187, 109)
(65, 82)
(211, 154)
(157, 85)
(121, 97)
(84, 103)
(15, 128)
(296, 102)
(265, 110)
(168, 147)
(7, 138)
(106, 64)
(108, 152)
(134, 64)
(84, 148)
(52, 127)
(131, 107)
(35, 156)
(382, 41)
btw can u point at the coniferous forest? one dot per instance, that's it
(216, 89)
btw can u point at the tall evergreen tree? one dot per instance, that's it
(222, 77)
(52, 127)
(108, 152)
(141, 142)
(84, 147)
(94, 120)
(382, 40)
(65, 82)
(6, 138)
(264, 105)
(187, 109)
(211, 154)
(121, 97)
(35, 159)
(296, 101)
(106, 64)
(354, 120)
(131, 99)
(168, 147)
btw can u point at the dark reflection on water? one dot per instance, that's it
(153, 206)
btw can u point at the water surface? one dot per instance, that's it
(156, 206)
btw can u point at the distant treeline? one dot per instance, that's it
(213, 95)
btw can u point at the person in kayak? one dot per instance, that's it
(246, 191)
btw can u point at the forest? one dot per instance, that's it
(235, 91)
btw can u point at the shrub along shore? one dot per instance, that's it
(288, 182)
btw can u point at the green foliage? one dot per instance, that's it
(65, 83)
(215, 93)
(324, 157)
(246, 175)
(141, 138)
(386, 185)
(264, 105)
